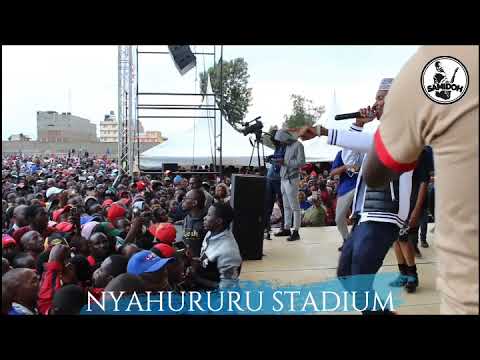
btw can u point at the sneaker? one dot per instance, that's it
(284, 233)
(412, 284)
(400, 281)
(424, 244)
(295, 236)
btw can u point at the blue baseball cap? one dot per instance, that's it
(86, 219)
(146, 262)
(177, 179)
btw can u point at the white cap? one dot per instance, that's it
(385, 84)
(53, 191)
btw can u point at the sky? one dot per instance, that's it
(42, 77)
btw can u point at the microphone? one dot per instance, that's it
(352, 115)
(347, 116)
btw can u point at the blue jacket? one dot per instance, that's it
(274, 171)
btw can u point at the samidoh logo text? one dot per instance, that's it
(444, 80)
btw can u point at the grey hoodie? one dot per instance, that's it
(294, 155)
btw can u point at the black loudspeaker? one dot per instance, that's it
(171, 166)
(183, 57)
(248, 202)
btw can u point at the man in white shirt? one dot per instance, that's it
(380, 212)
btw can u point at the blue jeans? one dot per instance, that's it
(363, 253)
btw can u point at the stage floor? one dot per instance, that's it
(314, 258)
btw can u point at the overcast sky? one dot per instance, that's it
(41, 77)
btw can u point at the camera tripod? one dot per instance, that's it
(256, 145)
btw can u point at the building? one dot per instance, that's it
(151, 137)
(109, 128)
(54, 127)
(109, 131)
(19, 137)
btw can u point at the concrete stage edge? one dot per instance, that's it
(314, 258)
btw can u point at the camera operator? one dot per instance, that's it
(273, 188)
(291, 163)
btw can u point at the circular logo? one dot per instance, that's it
(444, 80)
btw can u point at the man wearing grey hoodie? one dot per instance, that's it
(291, 163)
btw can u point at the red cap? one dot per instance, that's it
(64, 227)
(165, 250)
(56, 214)
(313, 173)
(164, 232)
(116, 211)
(7, 240)
(107, 203)
(140, 185)
(307, 167)
(17, 234)
(125, 201)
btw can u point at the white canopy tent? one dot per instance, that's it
(317, 149)
(195, 146)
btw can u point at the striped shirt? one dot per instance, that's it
(357, 140)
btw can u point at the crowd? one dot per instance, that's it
(72, 226)
(317, 196)
(76, 224)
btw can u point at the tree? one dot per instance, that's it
(304, 113)
(236, 93)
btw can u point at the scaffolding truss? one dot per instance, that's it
(129, 109)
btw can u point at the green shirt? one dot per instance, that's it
(314, 216)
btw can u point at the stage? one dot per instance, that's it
(314, 258)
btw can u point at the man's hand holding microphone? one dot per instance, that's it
(362, 117)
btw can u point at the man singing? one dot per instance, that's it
(380, 212)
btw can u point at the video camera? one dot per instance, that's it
(255, 128)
